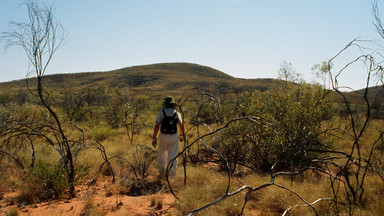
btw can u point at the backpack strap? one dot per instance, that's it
(174, 114)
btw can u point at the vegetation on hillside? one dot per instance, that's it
(148, 79)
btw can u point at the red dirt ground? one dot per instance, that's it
(110, 204)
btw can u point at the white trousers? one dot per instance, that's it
(168, 146)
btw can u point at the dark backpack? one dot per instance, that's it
(169, 124)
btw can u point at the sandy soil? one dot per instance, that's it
(101, 200)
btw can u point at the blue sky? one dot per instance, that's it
(243, 38)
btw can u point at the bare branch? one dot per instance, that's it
(311, 204)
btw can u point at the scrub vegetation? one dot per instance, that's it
(252, 147)
(280, 150)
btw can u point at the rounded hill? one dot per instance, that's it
(160, 78)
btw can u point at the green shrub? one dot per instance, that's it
(208, 111)
(5, 98)
(287, 129)
(52, 176)
(51, 181)
(7, 115)
(100, 133)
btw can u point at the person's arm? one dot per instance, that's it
(155, 132)
(158, 121)
(181, 126)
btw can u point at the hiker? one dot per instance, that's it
(167, 121)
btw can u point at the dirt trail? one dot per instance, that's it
(95, 197)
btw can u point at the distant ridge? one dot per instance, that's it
(184, 68)
(160, 78)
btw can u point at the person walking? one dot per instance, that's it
(167, 121)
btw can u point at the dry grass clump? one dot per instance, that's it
(274, 200)
(204, 186)
(157, 202)
(373, 201)
(32, 192)
(134, 187)
(115, 189)
(12, 212)
(30, 188)
(8, 177)
(90, 209)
